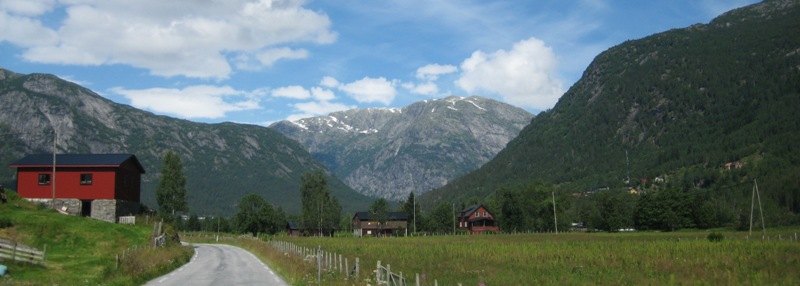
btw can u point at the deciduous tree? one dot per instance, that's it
(171, 193)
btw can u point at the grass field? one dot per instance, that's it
(83, 251)
(577, 258)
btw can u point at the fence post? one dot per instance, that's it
(346, 269)
(14, 253)
(378, 273)
(357, 267)
(416, 283)
(340, 263)
(319, 264)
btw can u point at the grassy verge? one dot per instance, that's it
(83, 250)
(576, 258)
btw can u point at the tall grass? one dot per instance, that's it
(83, 250)
(577, 258)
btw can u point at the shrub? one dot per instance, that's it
(5, 222)
(715, 237)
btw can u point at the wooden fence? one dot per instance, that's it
(18, 252)
(328, 261)
(127, 220)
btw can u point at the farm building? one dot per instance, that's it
(476, 219)
(293, 229)
(101, 186)
(365, 224)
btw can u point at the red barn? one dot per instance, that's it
(477, 220)
(103, 186)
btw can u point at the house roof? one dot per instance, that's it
(389, 216)
(471, 209)
(77, 160)
(293, 225)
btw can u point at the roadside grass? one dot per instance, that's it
(684, 257)
(83, 250)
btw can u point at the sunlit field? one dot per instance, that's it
(578, 258)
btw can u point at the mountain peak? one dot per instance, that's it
(390, 152)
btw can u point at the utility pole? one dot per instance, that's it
(454, 218)
(756, 194)
(53, 179)
(414, 210)
(628, 168)
(555, 219)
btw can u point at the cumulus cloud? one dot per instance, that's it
(270, 56)
(329, 82)
(522, 76)
(370, 89)
(27, 7)
(433, 71)
(168, 38)
(200, 101)
(294, 91)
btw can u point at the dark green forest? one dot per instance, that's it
(689, 118)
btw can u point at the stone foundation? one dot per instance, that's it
(107, 210)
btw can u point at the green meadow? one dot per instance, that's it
(574, 258)
(82, 251)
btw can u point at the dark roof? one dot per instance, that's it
(389, 216)
(471, 209)
(292, 225)
(72, 160)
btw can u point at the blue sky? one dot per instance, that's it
(261, 61)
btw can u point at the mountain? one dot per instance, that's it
(222, 162)
(390, 153)
(679, 104)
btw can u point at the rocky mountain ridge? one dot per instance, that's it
(391, 152)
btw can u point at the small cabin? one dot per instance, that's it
(366, 224)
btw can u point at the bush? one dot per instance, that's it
(5, 222)
(715, 237)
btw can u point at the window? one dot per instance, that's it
(86, 179)
(44, 179)
(485, 214)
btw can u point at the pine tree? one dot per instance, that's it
(171, 191)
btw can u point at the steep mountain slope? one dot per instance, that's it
(222, 162)
(391, 152)
(684, 101)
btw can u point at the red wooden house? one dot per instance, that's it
(476, 219)
(103, 186)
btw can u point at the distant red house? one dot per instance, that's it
(476, 219)
(103, 186)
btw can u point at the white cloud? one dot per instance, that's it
(270, 56)
(522, 76)
(200, 101)
(322, 94)
(316, 108)
(27, 7)
(19, 30)
(168, 38)
(329, 82)
(370, 89)
(433, 71)
(426, 88)
(294, 91)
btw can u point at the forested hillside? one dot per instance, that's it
(222, 162)
(700, 112)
